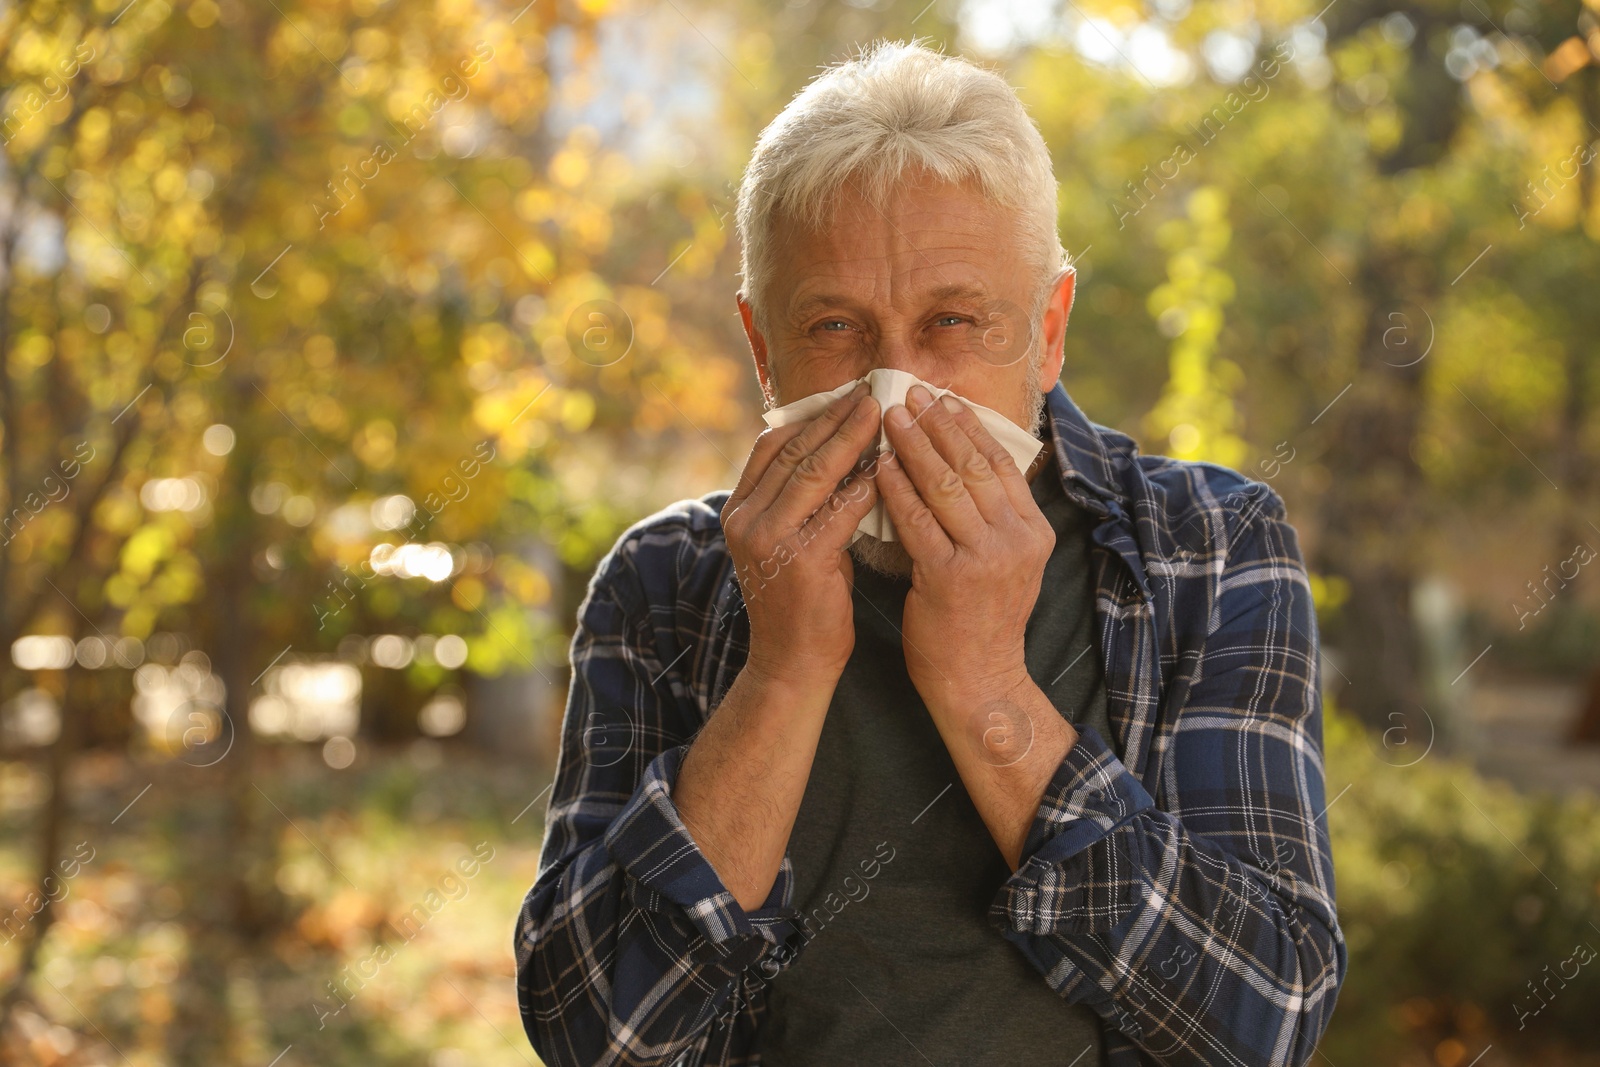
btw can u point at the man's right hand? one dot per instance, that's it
(788, 524)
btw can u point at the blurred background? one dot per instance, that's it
(340, 338)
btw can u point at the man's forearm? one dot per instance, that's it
(1006, 747)
(743, 779)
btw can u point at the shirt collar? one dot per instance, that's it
(1083, 453)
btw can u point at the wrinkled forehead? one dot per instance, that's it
(924, 242)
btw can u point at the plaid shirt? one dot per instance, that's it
(1176, 879)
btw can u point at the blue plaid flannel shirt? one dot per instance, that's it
(1177, 878)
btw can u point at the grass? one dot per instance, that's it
(379, 926)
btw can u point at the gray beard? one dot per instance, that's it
(885, 557)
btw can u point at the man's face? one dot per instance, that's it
(935, 285)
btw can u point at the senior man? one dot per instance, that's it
(1037, 781)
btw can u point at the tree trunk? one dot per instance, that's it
(48, 880)
(1372, 507)
(229, 905)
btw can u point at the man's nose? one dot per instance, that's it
(897, 350)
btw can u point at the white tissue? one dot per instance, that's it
(889, 388)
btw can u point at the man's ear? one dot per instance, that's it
(758, 345)
(1057, 309)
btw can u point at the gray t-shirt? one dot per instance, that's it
(895, 870)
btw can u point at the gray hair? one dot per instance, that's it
(895, 107)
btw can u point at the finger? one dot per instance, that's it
(818, 474)
(767, 446)
(958, 449)
(831, 527)
(791, 451)
(919, 531)
(1012, 480)
(940, 487)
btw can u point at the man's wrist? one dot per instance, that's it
(791, 684)
(1008, 721)
(958, 693)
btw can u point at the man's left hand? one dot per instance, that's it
(978, 544)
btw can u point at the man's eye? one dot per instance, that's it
(834, 325)
(949, 320)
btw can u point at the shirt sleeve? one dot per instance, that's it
(1201, 928)
(629, 948)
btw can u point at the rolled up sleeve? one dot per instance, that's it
(629, 948)
(1202, 927)
(1064, 883)
(650, 844)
